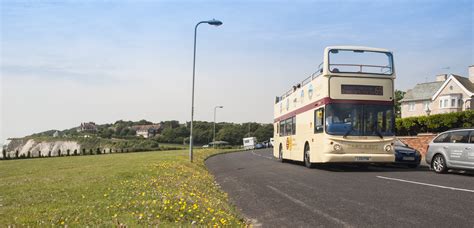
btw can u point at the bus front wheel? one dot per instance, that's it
(307, 160)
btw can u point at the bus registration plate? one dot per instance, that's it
(362, 158)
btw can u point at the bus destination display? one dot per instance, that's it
(362, 90)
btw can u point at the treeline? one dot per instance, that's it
(173, 132)
(203, 132)
(434, 123)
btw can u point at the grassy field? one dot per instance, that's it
(149, 188)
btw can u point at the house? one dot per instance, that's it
(449, 93)
(147, 131)
(87, 127)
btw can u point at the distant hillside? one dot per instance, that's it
(170, 131)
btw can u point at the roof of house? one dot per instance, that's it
(465, 82)
(462, 82)
(422, 91)
(90, 125)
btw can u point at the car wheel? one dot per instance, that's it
(439, 164)
(280, 155)
(307, 160)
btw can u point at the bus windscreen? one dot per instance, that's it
(359, 61)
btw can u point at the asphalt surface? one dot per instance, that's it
(274, 194)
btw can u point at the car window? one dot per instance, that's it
(472, 136)
(399, 143)
(459, 137)
(443, 138)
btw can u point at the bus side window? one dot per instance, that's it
(293, 130)
(319, 120)
(282, 128)
(289, 126)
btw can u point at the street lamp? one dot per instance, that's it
(214, 135)
(211, 22)
(428, 112)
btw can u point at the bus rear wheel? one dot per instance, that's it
(307, 160)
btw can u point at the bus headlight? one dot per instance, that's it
(337, 147)
(388, 148)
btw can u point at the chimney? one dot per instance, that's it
(471, 73)
(441, 77)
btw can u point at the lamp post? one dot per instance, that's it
(211, 22)
(428, 112)
(214, 134)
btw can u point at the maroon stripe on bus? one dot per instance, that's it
(328, 100)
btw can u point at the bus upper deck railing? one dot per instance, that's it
(388, 69)
(303, 83)
(360, 67)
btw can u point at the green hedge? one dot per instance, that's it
(434, 123)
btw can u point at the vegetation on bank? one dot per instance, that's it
(173, 132)
(434, 123)
(88, 146)
(140, 189)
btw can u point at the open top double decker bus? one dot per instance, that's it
(342, 113)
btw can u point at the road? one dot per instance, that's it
(274, 194)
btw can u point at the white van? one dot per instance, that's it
(249, 143)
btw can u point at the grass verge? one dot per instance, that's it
(154, 188)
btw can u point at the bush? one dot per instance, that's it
(434, 123)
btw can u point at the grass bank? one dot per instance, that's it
(154, 188)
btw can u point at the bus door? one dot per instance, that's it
(318, 132)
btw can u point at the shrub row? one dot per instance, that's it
(83, 152)
(434, 123)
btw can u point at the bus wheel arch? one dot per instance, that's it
(306, 156)
(280, 153)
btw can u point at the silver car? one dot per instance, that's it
(452, 150)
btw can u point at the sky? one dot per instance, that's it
(67, 62)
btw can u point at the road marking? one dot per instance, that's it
(301, 203)
(426, 184)
(253, 152)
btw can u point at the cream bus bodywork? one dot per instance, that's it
(325, 87)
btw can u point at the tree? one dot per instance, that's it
(398, 96)
(143, 122)
(232, 134)
(264, 132)
(170, 124)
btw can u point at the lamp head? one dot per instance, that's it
(214, 22)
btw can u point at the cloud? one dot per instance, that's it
(51, 72)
